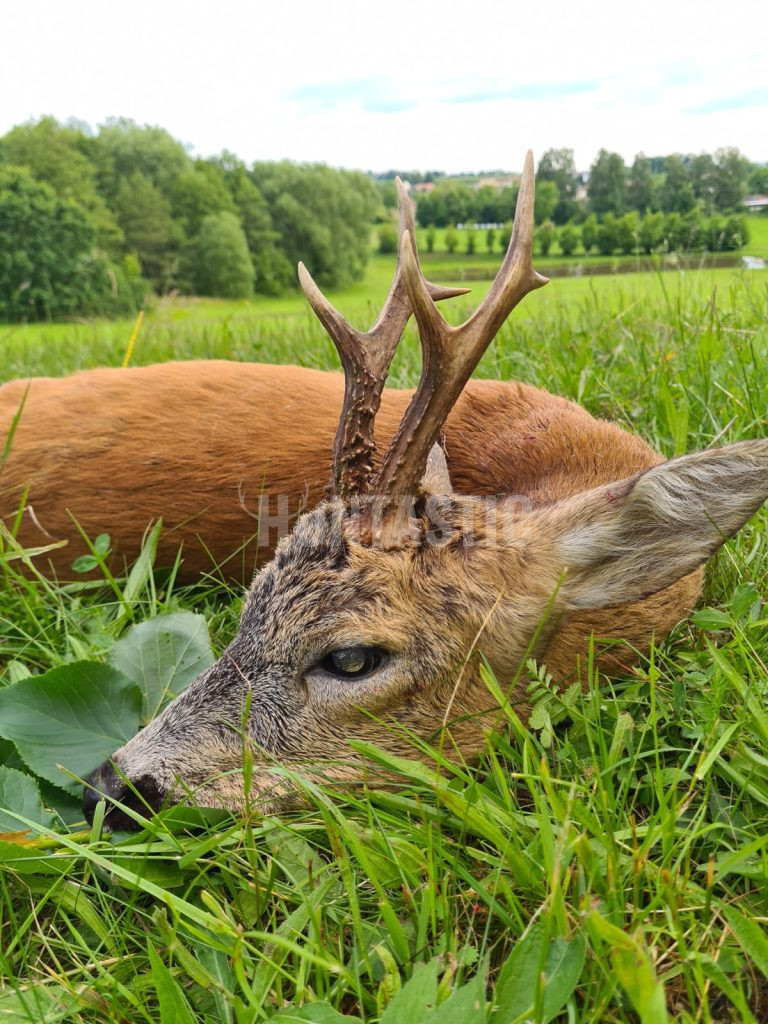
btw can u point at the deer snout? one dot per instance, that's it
(143, 795)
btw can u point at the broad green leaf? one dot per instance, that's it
(163, 656)
(518, 978)
(417, 998)
(464, 1006)
(751, 937)
(74, 716)
(316, 1013)
(634, 970)
(292, 853)
(20, 793)
(174, 1008)
(36, 1003)
(19, 852)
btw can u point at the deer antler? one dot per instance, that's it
(366, 357)
(450, 354)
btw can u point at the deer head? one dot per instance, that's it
(371, 619)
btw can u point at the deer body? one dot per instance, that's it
(371, 620)
(198, 443)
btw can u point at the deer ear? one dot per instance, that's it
(626, 541)
(437, 479)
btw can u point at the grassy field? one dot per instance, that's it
(611, 868)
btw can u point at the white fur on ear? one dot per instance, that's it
(625, 541)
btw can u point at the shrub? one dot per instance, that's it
(451, 238)
(387, 239)
(568, 239)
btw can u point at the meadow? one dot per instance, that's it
(605, 862)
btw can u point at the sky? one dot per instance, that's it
(418, 85)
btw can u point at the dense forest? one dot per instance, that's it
(92, 221)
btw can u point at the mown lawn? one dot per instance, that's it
(608, 865)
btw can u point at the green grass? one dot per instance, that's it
(635, 836)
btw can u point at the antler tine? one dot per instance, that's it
(365, 358)
(450, 354)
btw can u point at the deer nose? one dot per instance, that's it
(142, 795)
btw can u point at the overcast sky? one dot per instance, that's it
(452, 86)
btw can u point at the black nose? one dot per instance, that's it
(142, 795)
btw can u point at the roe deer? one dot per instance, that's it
(370, 621)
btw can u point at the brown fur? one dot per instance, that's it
(192, 442)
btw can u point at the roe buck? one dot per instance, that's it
(370, 620)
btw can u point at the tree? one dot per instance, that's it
(606, 188)
(123, 148)
(545, 236)
(676, 191)
(640, 189)
(273, 270)
(627, 228)
(556, 165)
(53, 153)
(431, 235)
(545, 202)
(198, 191)
(651, 232)
(757, 180)
(568, 239)
(223, 263)
(703, 174)
(144, 215)
(732, 170)
(490, 239)
(451, 238)
(322, 216)
(589, 233)
(607, 235)
(48, 267)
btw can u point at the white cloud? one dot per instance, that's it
(367, 85)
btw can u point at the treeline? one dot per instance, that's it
(90, 221)
(655, 232)
(707, 183)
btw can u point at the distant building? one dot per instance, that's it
(421, 186)
(756, 203)
(498, 181)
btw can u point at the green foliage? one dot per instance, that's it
(651, 232)
(322, 216)
(640, 187)
(607, 235)
(546, 200)
(627, 229)
(607, 187)
(471, 241)
(150, 231)
(589, 233)
(430, 238)
(676, 194)
(388, 238)
(222, 260)
(48, 265)
(451, 238)
(546, 234)
(568, 238)
(490, 239)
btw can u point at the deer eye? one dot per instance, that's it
(353, 662)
